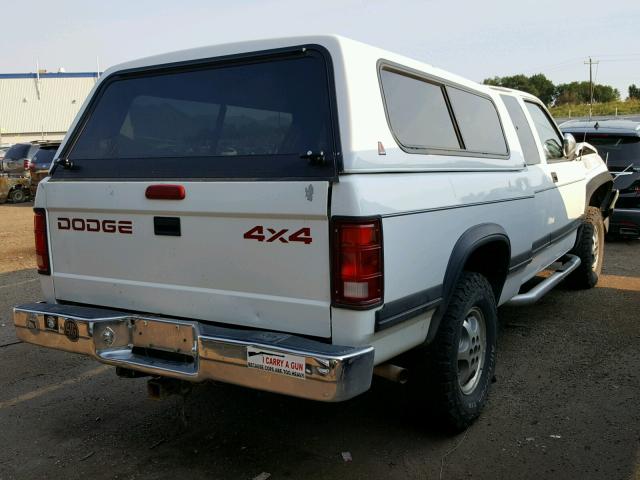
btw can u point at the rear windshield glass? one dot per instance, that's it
(44, 155)
(246, 120)
(616, 149)
(17, 152)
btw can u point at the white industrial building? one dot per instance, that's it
(41, 106)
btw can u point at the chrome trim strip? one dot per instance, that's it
(452, 207)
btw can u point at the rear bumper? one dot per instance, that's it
(194, 351)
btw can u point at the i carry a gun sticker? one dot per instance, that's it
(275, 362)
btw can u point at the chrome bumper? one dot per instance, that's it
(195, 351)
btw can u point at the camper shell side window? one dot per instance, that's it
(430, 115)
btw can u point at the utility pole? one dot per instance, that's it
(38, 78)
(591, 63)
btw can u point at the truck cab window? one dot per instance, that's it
(547, 133)
(523, 130)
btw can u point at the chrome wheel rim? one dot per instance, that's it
(471, 350)
(595, 248)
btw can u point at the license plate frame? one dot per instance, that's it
(176, 337)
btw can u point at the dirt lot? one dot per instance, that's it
(565, 404)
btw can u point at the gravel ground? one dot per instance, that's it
(565, 404)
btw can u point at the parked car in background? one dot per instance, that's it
(13, 188)
(16, 159)
(618, 142)
(40, 163)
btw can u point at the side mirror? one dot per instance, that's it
(569, 146)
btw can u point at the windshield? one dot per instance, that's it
(241, 120)
(618, 150)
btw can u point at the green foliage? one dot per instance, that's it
(537, 85)
(579, 92)
(634, 92)
(545, 87)
(563, 94)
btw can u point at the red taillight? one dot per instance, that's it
(42, 249)
(165, 192)
(357, 263)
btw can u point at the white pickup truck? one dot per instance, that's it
(296, 215)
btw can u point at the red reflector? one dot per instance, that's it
(165, 192)
(357, 263)
(42, 248)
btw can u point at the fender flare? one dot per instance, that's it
(594, 184)
(472, 239)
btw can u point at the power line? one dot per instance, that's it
(618, 55)
(622, 60)
(611, 57)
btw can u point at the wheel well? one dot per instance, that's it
(491, 260)
(599, 196)
(484, 249)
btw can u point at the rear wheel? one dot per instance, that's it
(452, 377)
(590, 248)
(17, 196)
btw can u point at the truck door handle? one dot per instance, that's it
(554, 177)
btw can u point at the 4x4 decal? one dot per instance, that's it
(262, 234)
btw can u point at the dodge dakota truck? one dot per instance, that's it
(297, 215)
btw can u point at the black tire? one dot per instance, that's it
(17, 196)
(435, 384)
(592, 230)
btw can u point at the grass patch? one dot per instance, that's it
(630, 107)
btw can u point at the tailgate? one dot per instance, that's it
(253, 142)
(244, 253)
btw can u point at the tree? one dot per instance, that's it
(572, 93)
(634, 92)
(565, 93)
(605, 93)
(580, 92)
(537, 85)
(518, 82)
(544, 87)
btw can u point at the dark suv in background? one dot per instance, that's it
(16, 159)
(40, 163)
(618, 142)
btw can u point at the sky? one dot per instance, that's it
(473, 38)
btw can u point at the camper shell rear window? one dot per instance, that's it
(262, 116)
